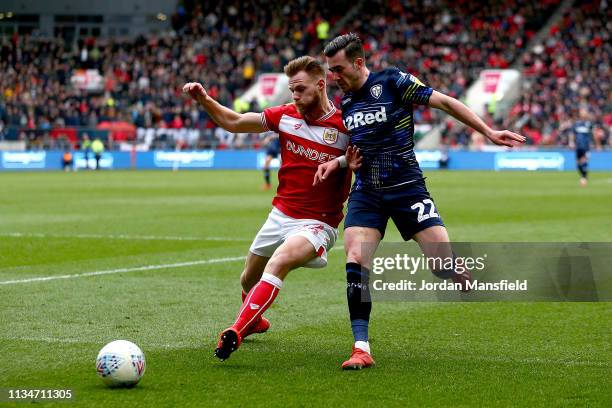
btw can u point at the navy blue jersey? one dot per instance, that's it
(379, 118)
(583, 133)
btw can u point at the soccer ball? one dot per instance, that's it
(120, 363)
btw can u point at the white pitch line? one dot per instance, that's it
(177, 346)
(123, 270)
(602, 181)
(118, 236)
(45, 339)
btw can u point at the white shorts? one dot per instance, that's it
(279, 227)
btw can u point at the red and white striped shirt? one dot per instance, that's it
(304, 145)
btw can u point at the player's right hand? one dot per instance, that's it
(196, 91)
(353, 159)
(324, 170)
(506, 138)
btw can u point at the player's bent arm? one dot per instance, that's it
(597, 140)
(269, 138)
(231, 121)
(459, 111)
(226, 118)
(571, 143)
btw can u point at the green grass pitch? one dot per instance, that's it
(427, 354)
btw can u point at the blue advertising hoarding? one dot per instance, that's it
(24, 160)
(254, 159)
(529, 161)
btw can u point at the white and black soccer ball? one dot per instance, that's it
(120, 363)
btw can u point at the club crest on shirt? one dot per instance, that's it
(376, 90)
(330, 135)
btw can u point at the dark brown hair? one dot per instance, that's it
(350, 43)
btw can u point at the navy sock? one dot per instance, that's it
(582, 168)
(359, 301)
(267, 175)
(445, 273)
(360, 329)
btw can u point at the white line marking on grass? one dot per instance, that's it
(78, 340)
(118, 236)
(527, 360)
(602, 181)
(45, 339)
(123, 270)
(147, 345)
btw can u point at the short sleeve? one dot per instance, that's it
(270, 117)
(411, 89)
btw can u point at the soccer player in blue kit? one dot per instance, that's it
(580, 138)
(272, 143)
(377, 111)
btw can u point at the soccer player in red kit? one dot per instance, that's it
(302, 226)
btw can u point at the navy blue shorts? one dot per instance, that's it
(411, 208)
(580, 153)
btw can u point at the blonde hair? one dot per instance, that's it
(308, 64)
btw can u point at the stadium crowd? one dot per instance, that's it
(447, 44)
(222, 45)
(562, 75)
(226, 47)
(566, 73)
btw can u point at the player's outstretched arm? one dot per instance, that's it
(461, 112)
(597, 139)
(226, 118)
(269, 138)
(352, 159)
(571, 142)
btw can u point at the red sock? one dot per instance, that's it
(244, 295)
(259, 298)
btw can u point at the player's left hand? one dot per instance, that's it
(506, 138)
(353, 158)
